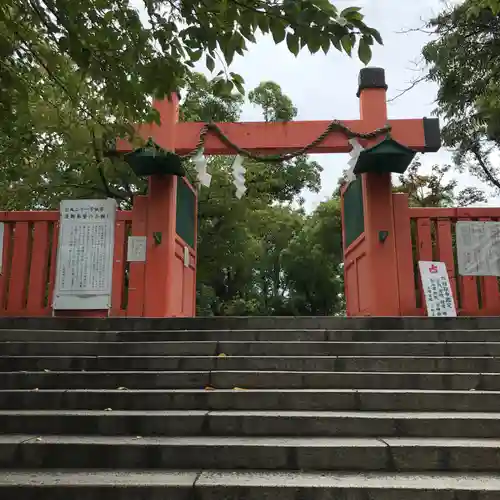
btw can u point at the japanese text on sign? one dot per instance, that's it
(437, 289)
(85, 254)
(136, 249)
(478, 248)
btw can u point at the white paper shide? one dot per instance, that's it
(437, 289)
(478, 248)
(85, 255)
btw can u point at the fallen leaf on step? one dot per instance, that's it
(222, 355)
(122, 388)
(239, 389)
(36, 389)
(138, 437)
(108, 409)
(46, 370)
(38, 439)
(209, 388)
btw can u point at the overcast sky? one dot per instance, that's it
(324, 87)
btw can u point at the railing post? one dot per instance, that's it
(404, 255)
(377, 202)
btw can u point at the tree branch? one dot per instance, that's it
(408, 89)
(98, 158)
(477, 154)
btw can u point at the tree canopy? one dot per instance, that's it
(464, 61)
(128, 51)
(435, 189)
(263, 254)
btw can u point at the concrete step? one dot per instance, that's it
(262, 399)
(244, 348)
(285, 485)
(244, 485)
(251, 423)
(97, 485)
(293, 453)
(318, 335)
(252, 363)
(251, 323)
(248, 380)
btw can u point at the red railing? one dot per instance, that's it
(29, 264)
(429, 234)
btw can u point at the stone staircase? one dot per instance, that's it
(250, 409)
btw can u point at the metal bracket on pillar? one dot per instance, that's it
(382, 236)
(157, 237)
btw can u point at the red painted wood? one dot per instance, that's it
(18, 283)
(269, 138)
(424, 240)
(455, 213)
(6, 267)
(53, 263)
(119, 263)
(445, 253)
(38, 269)
(136, 296)
(29, 216)
(404, 256)
(123, 215)
(161, 286)
(424, 248)
(194, 252)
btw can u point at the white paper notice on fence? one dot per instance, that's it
(85, 255)
(437, 289)
(478, 248)
(136, 249)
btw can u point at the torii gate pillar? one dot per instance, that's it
(167, 217)
(368, 222)
(382, 279)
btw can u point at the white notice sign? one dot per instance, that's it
(136, 249)
(437, 289)
(85, 254)
(478, 248)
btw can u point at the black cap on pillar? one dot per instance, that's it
(371, 78)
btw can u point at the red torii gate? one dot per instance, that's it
(375, 279)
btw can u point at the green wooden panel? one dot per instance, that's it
(185, 222)
(354, 217)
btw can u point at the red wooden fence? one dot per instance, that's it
(29, 264)
(429, 234)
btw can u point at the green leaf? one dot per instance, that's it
(350, 10)
(209, 60)
(314, 42)
(347, 44)
(326, 6)
(325, 44)
(292, 42)
(196, 56)
(239, 86)
(278, 30)
(375, 34)
(364, 52)
(263, 22)
(237, 78)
